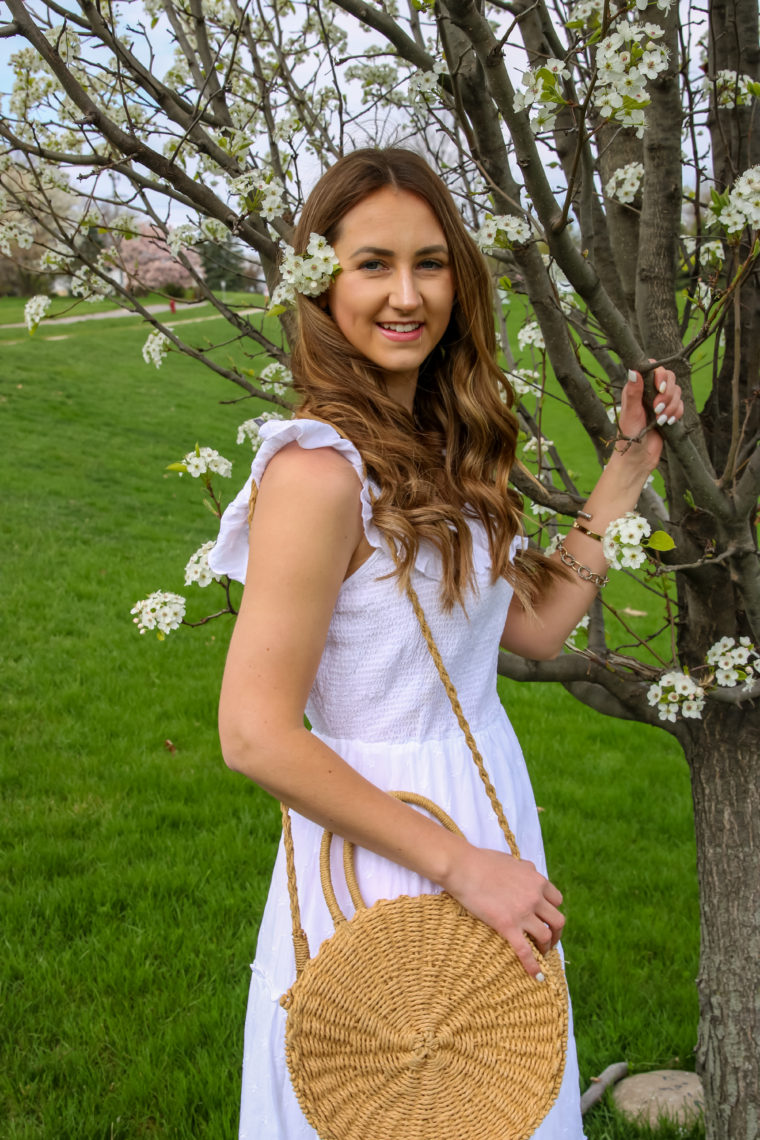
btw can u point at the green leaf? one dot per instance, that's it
(505, 283)
(275, 310)
(660, 540)
(688, 498)
(754, 89)
(177, 467)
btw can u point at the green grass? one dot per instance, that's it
(134, 865)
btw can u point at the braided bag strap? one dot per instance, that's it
(451, 693)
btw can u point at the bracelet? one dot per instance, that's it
(584, 530)
(585, 573)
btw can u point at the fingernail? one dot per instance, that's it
(632, 377)
(661, 420)
(672, 420)
(661, 385)
(540, 977)
(660, 407)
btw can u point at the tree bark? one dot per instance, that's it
(724, 757)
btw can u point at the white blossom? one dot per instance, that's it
(162, 611)
(310, 273)
(624, 183)
(622, 541)
(733, 662)
(676, 693)
(34, 310)
(183, 235)
(501, 231)
(582, 625)
(277, 377)
(525, 381)
(198, 570)
(731, 88)
(251, 429)
(424, 86)
(204, 460)
(530, 333)
(743, 205)
(155, 348)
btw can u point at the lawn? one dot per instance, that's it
(135, 866)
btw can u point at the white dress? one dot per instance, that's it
(378, 701)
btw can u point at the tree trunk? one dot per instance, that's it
(724, 757)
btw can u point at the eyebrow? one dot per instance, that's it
(390, 253)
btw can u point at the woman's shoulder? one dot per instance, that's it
(310, 445)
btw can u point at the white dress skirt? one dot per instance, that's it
(378, 701)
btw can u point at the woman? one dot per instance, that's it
(397, 468)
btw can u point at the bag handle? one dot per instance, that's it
(349, 867)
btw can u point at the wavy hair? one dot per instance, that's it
(451, 458)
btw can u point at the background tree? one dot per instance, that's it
(577, 138)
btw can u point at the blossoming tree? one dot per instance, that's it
(607, 155)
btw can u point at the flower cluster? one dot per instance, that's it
(251, 429)
(734, 663)
(622, 544)
(186, 234)
(162, 611)
(501, 232)
(709, 251)
(277, 377)
(268, 193)
(155, 348)
(625, 60)
(582, 626)
(676, 693)
(34, 311)
(531, 446)
(625, 183)
(740, 206)
(15, 231)
(424, 86)
(90, 286)
(541, 86)
(525, 381)
(732, 89)
(206, 460)
(309, 274)
(530, 333)
(198, 569)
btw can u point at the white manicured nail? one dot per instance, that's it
(661, 385)
(540, 978)
(660, 407)
(672, 420)
(661, 420)
(632, 377)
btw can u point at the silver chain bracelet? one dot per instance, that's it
(585, 573)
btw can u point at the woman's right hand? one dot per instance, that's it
(512, 897)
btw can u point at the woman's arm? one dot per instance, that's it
(541, 635)
(306, 526)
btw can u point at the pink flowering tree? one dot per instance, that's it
(149, 263)
(606, 154)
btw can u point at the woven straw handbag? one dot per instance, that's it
(415, 1020)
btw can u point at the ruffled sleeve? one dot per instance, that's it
(230, 554)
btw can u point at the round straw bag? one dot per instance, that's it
(417, 1021)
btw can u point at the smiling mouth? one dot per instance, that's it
(400, 327)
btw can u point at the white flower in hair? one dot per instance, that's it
(310, 273)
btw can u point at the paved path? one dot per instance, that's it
(108, 314)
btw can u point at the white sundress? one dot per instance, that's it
(378, 701)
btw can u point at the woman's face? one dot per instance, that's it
(393, 298)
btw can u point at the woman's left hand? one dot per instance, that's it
(668, 407)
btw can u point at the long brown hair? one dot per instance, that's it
(452, 456)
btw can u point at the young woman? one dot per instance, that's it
(397, 467)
